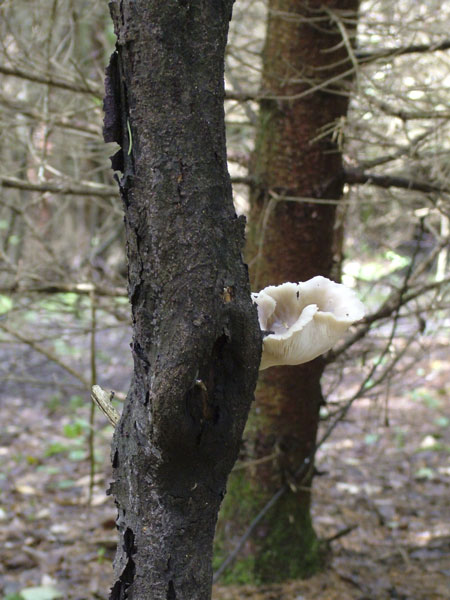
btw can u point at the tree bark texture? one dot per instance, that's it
(196, 339)
(297, 155)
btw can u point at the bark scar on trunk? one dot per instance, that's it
(171, 594)
(126, 578)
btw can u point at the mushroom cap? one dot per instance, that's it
(304, 319)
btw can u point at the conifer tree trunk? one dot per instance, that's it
(297, 156)
(196, 339)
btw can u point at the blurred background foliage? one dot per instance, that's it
(64, 314)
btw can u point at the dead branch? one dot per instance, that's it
(359, 177)
(45, 352)
(87, 87)
(103, 400)
(63, 288)
(386, 310)
(24, 108)
(92, 189)
(366, 56)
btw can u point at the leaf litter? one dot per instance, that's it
(388, 485)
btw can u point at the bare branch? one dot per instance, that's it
(89, 189)
(103, 400)
(64, 288)
(359, 177)
(45, 352)
(386, 310)
(88, 87)
(246, 180)
(362, 57)
(242, 96)
(65, 122)
(406, 115)
(389, 53)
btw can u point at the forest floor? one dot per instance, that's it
(389, 484)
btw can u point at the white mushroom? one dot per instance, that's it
(304, 319)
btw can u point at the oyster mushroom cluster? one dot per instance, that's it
(303, 320)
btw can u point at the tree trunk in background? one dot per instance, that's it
(296, 156)
(196, 340)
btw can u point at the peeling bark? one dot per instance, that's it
(196, 340)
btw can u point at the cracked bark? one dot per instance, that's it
(196, 340)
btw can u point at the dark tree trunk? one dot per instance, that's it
(196, 342)
(297, 155)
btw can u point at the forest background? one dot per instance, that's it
(64, 323)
